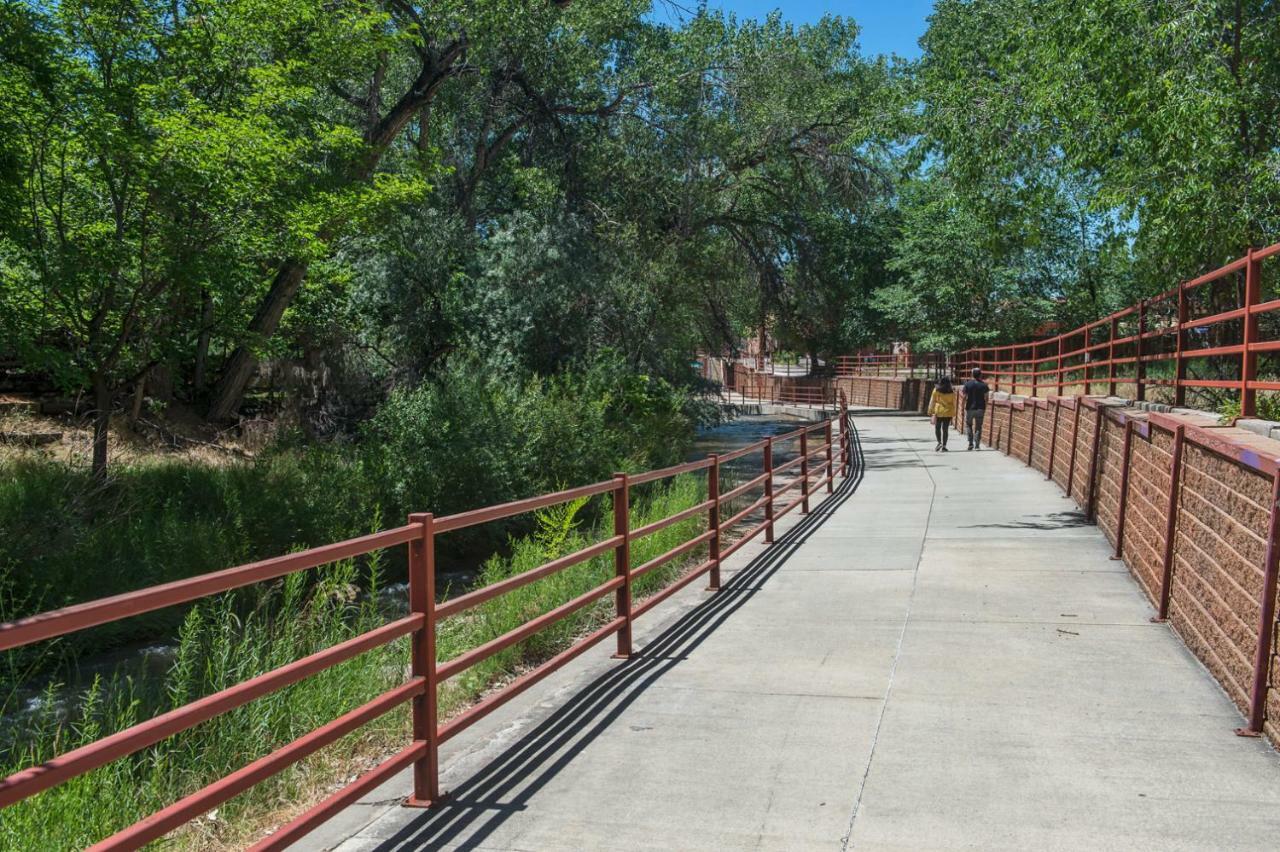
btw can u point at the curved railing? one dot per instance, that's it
(1205, 333)
(817, 467)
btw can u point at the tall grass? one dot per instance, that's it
(68, 538)
(560, 533)
(234, 637)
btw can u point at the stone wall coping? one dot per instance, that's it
(1243, 442)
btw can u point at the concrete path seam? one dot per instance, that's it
(846, 841)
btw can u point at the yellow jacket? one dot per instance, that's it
(942, 404)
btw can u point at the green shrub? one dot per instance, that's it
(1268, 408)
(476, 437)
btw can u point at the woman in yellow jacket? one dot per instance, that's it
(942, 407)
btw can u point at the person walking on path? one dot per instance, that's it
(942, 408)
(974, 393)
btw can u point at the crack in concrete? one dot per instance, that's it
(847, 841)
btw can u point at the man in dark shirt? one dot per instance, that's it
(974, 395)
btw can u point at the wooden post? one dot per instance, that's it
(425, 717)
(1171, 523)
(622, 561)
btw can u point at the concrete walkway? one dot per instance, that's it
(941, 658)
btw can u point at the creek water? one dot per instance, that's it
(152, 659)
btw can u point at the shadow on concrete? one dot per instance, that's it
(1053, 521)
(475, 808)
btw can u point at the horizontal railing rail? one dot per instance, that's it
(911, 365)
(818, 465)
(780, 389)
(1158, 342)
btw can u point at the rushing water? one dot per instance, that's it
(152, 659)
(741, 431)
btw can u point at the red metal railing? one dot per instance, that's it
(925, 365)
(1211, 322)
(817, 468)
(781, 389)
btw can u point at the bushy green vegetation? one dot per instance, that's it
(1268, 406)
(237, 636)
(472, 440)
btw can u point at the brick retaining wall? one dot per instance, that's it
(1222, 517)
(875, 392)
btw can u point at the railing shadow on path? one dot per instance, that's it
(475, 807)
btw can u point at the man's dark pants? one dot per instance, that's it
(973, 425)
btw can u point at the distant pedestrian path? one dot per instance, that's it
(941, 655)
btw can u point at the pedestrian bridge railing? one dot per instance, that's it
(823, 451)
(1206, 335)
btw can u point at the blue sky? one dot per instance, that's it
(887, 27)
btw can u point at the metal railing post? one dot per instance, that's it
(1266, 620)
(1075, 444)
(831, 468)
(1140, 369)
(1180, 364)
(804, 472)
(846, 445)
(1171, 524)
(1061, 371)
(1111, 358)
(1008, 439)
(1031, 438)
(622, 561)
(1089, 509)
(713, 521)
(1035, 372)
(1248, 359)
(425, 716)
(1087, 355)
(1053, 438)
(768, 490)
(1125, 450)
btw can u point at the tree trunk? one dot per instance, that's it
(101, 424)
(135, 410)
(202, 342)
(242, 363)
